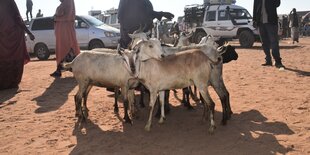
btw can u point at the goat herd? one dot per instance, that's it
(159, 68)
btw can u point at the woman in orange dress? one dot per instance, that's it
(13, 52)
(66, 43)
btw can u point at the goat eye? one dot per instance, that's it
(150, 46)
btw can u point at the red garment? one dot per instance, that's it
(13, 52)
(65, 30)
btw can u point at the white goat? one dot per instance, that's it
(171, 73)
(216, 74)
(105, 70)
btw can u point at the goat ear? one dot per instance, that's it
(191, 34)
(148, 33)
(118, 47)
(131, 35)
(120, 51)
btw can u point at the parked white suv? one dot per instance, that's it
(225, 21)
(90, 32)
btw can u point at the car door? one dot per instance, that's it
(82, 32)
(225, 26)
(210, 23)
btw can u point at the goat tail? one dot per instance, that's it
(67, 65)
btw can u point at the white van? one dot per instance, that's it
(90, 32)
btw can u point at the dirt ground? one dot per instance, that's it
(271, 114)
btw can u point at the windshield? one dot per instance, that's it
(93, 21)
(240, 14)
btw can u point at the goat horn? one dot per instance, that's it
(137, 46)
(148, 33)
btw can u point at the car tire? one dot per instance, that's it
(41, 51)
(246, 39)
(199, 35)
(95, 44)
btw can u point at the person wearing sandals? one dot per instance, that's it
(66, 43)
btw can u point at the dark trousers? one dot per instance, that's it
(29, 10)
(125, 39)
(270, 40)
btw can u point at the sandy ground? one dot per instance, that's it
(271, 114)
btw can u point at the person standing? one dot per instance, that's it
(265, 18)
(294, 25)
(29, 5)
(285, 26)
(13, 52)
(135, 13)
(66, 43)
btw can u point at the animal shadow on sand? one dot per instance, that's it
(184, 133)
(6, 95)
(55, 95)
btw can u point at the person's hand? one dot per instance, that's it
(31, 36)
(168, 15)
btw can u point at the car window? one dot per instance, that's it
(43, 24)
(210, 16)
(113, 18)
(223, 15)
(93, 21)
(240, 14)
(79, 23)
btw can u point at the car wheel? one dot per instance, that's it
(199, 35)
(41, 51)
(246, 39)
(95, 44)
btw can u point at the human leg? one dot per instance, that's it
(263, 33)
(274, 42)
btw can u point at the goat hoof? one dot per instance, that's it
(211, 130)
(147, 128)
(161, 120)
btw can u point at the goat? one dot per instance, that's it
(116, 89)
(228, 53)
(93, 68)
(139, 35)
(171, 73)
(216, 79)
(103, 69)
